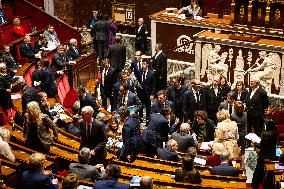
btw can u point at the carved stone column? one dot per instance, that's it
(153, 36)
(198, 55)
(281, 93)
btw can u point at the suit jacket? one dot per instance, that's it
(135, 67)
(47, 83)
(95, 139)
(101, 28)
(89, 100)
(117, 56)
(213, 101)
(36, 180)
(159, 65)
(30, 94)
(157, 108)
(27, 51)
(109, 81)
(224, 90)
(132, 139)
(157, 130)
(10, 62)
(84, 171)
(36, 76)
(58, 61)
(184, 141)
(176, 96)
(166, 154)
(133, 100)
(224, 169)
(257, 104)
(148, 85)
(225, 105)
(109, 184)
(210, 129)
(72, 53)
(192, 177)
(140, 34)
(243, 96)
(42, 132)
(190, 104)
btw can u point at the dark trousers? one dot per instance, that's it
(103, 47)
(161, 83)
(141, 45)
(105, 95)
(145, 100)
(257, 123)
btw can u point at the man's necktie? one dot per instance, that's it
(139, 65)
(197, 97)
(230, 108)
(144, 76)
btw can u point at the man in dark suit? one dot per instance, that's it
(26, 49)
(169, 153)
(159, 65)
(107, 82)
(110, 179)
(5, 91)
(136, 65)
(73, 52)
(193, 99)
(184, 139)
(101, 29)
(229, 103)
(59, 59)
(147, 90)
(47, 83)
(93, 135)
(117, 56)
(224, 169)
(128, 99)
(256, 103)
(175, 94)
(141, 36)
(34, 177)
(161, 102)
(87, 100)
(82, 169)
(36, 75)
(29, 94)
(12, 65)
(157, 131)
(213, 98)
(131, 135)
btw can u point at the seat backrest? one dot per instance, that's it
(6, 32)
(278, 117)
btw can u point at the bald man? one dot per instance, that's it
(141, 36)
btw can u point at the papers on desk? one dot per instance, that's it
(253, 137)
(181, 16)
(16, 96)
(63, 116)
(206, 145)
(200, 161)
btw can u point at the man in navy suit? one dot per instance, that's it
(111, 176)
(107, 82)
(93, 135)
(257, 102)
(136, 65)
(147, 90)
(34, 177)
(12, 65)
(169, 153)
(128, 99)
(193, 99)
(141, 36)
(73, 50)
(224, 169)
(26, 49)
(159, 65)
(131, 135)
(47, 83)
(161, 102)
(87, 100)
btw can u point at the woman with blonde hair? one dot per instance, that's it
(226, 133)
(5, 149)
(36, 128)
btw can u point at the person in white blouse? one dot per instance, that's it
(5, 149)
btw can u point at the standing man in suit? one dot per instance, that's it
(101, 28)
(117, 56)
(93, 135)
(87, 99)
(73, 50)
(141, 36)
(229, 103)
(147, 90)
(12, 65)
(128, 98)
(110, 180)
(91, 23)
(136, 65)
(161, 102)
(47, 83)
(175, 94)
(159, 65)
(107, 83)
(213, 98)
(224, 169)
(256, 103)
(5, 91)
(131, 135)
(193, 99)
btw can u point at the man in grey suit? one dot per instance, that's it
(82, 169)
(229, 103)
(183, 138)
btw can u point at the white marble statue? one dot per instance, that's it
(240, 61)
(216, 63)
(268, 70)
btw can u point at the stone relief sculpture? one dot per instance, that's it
(184, 39)
(267, 68)
(216, 63)
(205, 56)
(240, 61)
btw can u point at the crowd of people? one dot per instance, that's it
(177, 116)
